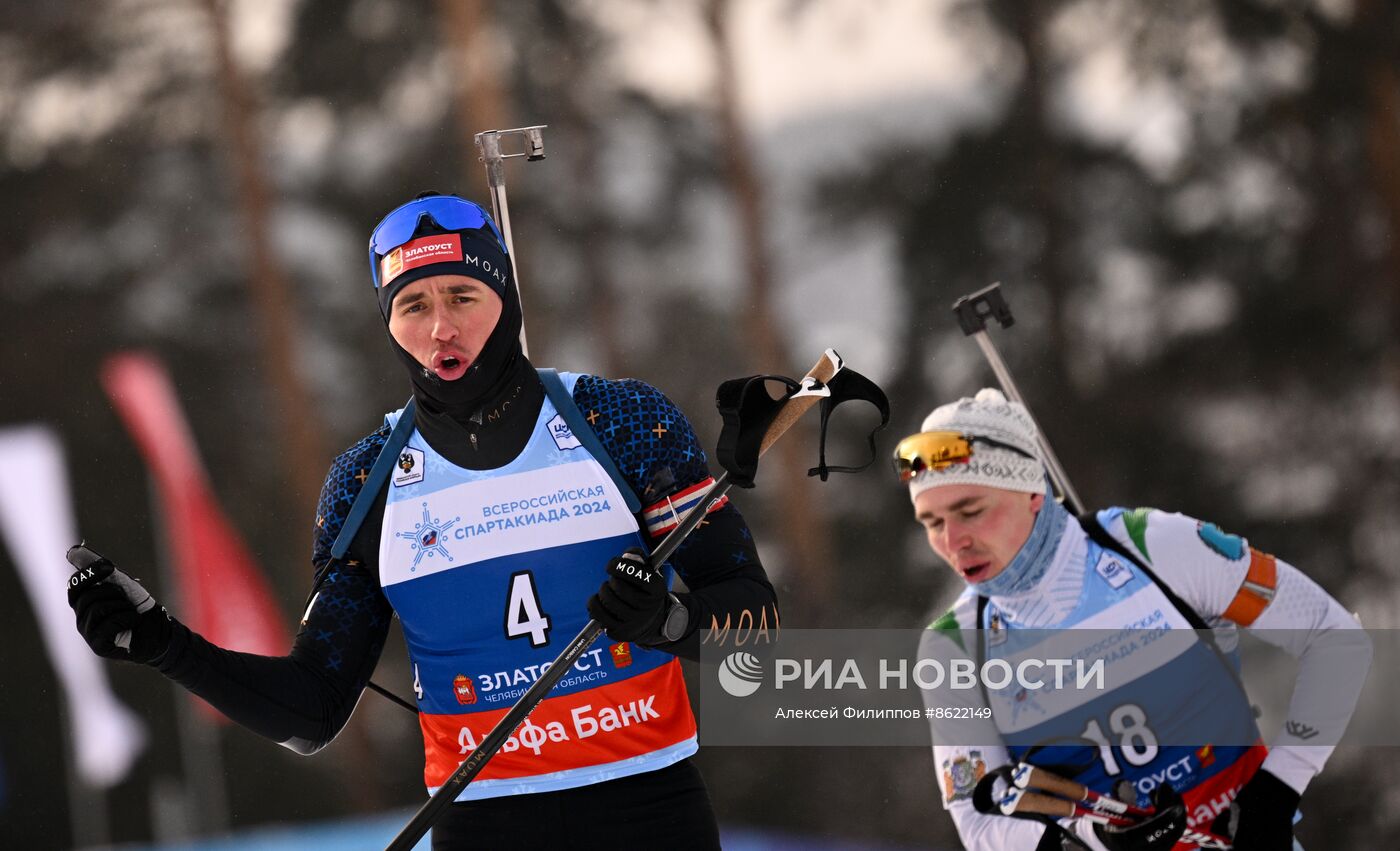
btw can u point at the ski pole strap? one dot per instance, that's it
(984, 802)
(747, 409)
(564, 403)
(378, 474)
(845, 386)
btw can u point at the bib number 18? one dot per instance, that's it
(1136, 740)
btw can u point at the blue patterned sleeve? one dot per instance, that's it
(343, 483)
(654, 447)
(646, 434)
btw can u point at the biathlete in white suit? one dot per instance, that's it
(1172, 727)
(495, 538)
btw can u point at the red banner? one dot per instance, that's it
(222, 593)
(596, 726)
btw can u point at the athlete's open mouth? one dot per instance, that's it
(449, 367)
(974, 573)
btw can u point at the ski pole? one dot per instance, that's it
(1017, 800)
(1028, 782)
(430, 812)
(1027, 776)
(488, 143)
(972, 311)
(1027, 801)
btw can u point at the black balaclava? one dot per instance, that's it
(501, 373)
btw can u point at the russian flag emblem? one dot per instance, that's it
(663, 516)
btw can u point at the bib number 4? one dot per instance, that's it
(524, 617)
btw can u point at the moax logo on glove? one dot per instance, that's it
(631, 568)
(81, 576)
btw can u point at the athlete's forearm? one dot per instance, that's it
(980, 832)
(729, 592)
(1334, 657)
(301, 700)
(742, 604)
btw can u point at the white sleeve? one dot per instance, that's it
(960, 765)
(1208, 569)
(981, 832)
(1334, 657)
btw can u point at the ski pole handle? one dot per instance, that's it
(1029, 801)
(1087, 804)
(1027, 776)
(813, 390)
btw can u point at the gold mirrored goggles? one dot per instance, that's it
(939, 450)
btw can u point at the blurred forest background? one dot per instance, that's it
(1193, 207)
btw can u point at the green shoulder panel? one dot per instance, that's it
(948, 625)
(1135, 522)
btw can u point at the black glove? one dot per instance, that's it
(1261, 816)
(631, 604)
(1158, 833)
(116, 616)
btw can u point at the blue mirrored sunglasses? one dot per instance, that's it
(448, 212)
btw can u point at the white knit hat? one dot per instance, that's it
(988, 414)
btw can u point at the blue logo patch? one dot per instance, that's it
(563, 435)
(1229, 546)
(427, 538)
(1114, 573)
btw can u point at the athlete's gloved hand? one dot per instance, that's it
(1261, 816)
(1158, 833)
(116, 616)
(632, 602)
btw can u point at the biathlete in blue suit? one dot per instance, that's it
(495, 538)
